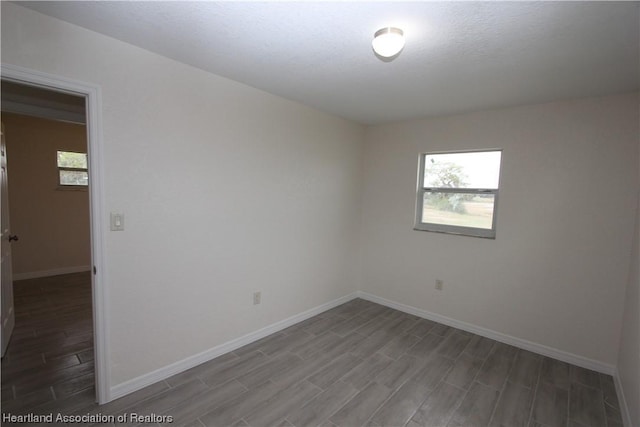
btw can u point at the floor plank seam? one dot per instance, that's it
(533, 398)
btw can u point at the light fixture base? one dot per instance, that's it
(388, 41)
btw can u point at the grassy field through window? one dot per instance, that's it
(477, 212)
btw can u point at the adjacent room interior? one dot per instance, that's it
(277, 217)
(48, 206)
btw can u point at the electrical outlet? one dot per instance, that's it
(257, 296)
(439, 284)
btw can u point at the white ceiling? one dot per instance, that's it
(459, 56)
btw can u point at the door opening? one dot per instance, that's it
(82, 282)
(8, 313)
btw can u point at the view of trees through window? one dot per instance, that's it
(462, 209)
(72, 168)
(459, 189)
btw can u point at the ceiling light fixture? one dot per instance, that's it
(388, 41)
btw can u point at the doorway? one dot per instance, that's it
(92, 280)
(50, 354)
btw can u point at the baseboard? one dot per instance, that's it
(165, 372)
(624, 408)
(498, 336)
(54, 272)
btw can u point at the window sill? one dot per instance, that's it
(481, 233)
(82, 188)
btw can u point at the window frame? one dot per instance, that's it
(65, 168)
(455, 229)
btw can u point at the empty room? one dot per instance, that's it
(323, 213)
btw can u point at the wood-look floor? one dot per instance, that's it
(50, 355)
(357, 364)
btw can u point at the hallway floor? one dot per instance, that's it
(50, 355)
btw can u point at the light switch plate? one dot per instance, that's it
(117, 221)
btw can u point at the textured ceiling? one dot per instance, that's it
(459, 56)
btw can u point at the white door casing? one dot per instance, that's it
(92, 95)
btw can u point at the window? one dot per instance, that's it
(458, 192)
(72, 169)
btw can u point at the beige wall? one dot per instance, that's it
(556, 273)
(52, 224)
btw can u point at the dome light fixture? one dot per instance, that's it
(388, 41)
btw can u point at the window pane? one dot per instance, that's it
(459, 209)
(463, 170)
(68, 159)
(74, 178)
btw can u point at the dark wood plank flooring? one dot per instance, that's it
(50, 355)
(357, 364)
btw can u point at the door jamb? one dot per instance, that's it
(93, 96)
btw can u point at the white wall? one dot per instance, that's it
(226, 190)
(629, 352)
(556, 273)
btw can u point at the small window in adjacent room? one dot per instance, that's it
(72, 169)
(458, 192)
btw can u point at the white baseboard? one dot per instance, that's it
(165, 372)
(54, 272)
(624, 408)
(507, 339)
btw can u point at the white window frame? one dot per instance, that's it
(455, 229)
(64, 168)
